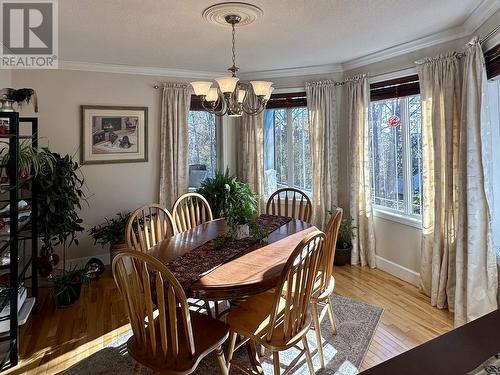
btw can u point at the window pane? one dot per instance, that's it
(387, 154)
(202, 147)
(301, 149)
(287, 152)
(415, 123)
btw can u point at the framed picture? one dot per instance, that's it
(114, 134)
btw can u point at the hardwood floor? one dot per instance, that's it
(53, 340)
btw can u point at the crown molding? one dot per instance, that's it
(293, 72)
(138, 70)
(403, 48)
(480, 14)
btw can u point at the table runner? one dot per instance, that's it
(190, 267)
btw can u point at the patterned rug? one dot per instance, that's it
(344, 352)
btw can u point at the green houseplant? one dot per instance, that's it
(111, 232)
(59, 202)
(232, 199)
(39, 160)
(344, 242)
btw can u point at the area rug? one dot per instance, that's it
(344, 352)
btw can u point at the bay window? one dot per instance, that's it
(287, 152)
(396, 149)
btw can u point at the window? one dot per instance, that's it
(494, 107)
(287, 152)
(202, 138)
(397, 155)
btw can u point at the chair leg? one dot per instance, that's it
(137, 368)
(317, 331)
(254, 358)
(262, 351)
(331, 316)
(276, 363)
(308, 355)
(230, 350)
(209, 310)
(221, 361)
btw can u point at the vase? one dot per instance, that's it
(115, 249)
(6, 105)
(242, 231)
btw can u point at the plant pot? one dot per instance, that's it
(116, 248)
(342, 256)
(242, 231)
(69, 295)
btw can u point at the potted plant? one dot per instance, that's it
(232, 199)
(344, 242)
(111, 232)
(29, 159)
(59, 197)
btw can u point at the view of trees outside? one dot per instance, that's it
(302, 163)
(291, 148)
(202, 140)
(388, 160)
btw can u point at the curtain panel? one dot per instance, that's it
(174, 165)
(458, 264)
(323, 138)
(250, 166)
(357, 91)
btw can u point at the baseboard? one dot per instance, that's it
(399, 271)
(81, 262)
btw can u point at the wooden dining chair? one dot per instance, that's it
(279, 319)
(190, 210)
(325, 282)
(147, 226)
(167, 337)
(290, 202)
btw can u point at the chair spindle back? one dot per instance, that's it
(190, 210)
(290, 202)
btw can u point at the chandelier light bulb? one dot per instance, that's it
(227, 84)
(261, 88)
(201, 87)
(212, 95)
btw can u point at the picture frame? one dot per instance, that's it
(113, 134)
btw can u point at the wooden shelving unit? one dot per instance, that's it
(18, 261)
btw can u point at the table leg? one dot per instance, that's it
(254, 358)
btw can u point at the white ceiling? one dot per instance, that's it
(292, 33)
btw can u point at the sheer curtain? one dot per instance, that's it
(458, 264)
(251, 151)
(357, 92)
(174, 165)
(323, 136)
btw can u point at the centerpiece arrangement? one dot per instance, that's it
(233, 200)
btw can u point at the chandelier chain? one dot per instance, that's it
(234, 49)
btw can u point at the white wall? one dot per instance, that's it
(5, 78)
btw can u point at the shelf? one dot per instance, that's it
(22, 315)
(5, 349)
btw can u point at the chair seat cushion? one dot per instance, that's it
(252, 319)
(208, 334)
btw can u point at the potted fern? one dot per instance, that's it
(344, 242)
(231, 199)
(111, 232)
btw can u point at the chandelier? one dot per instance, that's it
(233, 97)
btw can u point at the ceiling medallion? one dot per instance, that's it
(248, 13)
(231, 96)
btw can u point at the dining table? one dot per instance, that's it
(210, 270)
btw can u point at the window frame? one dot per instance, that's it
(288, 107)
(407, 216)
(218, 140)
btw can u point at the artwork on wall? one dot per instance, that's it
(114, 134)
